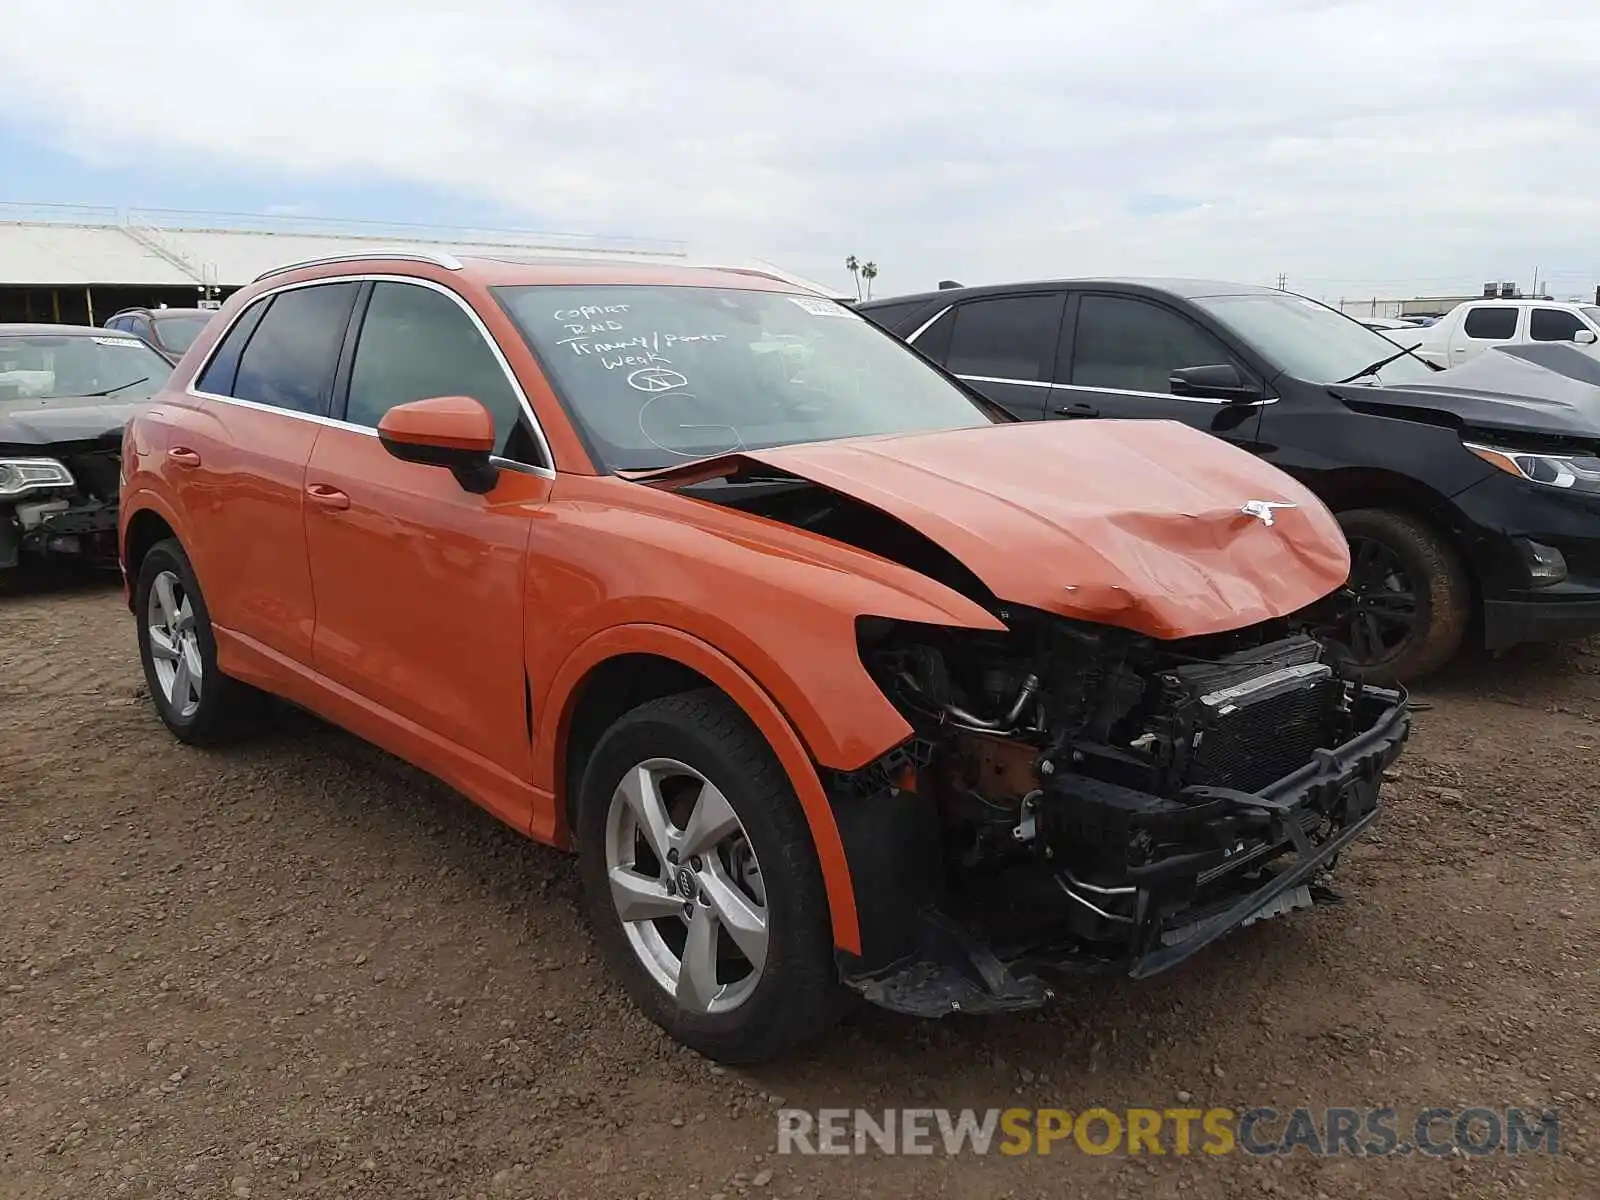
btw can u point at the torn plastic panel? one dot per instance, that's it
(1082, 797)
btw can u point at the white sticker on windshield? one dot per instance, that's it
(818, 307)
(105, 341)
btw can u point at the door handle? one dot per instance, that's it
(327, 497)
(1079, 409)
(183, 456)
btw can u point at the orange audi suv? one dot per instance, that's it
(835, 677)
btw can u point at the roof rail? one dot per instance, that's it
(448, 261)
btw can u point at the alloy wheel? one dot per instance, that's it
(175, 645)
(686, 886)
(1377, 610)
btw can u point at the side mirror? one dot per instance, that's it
(446, 431)
(1217, 381)
(1585, 337)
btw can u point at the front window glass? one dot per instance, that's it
(417, 343)
(1314, 342)
(1135, 346)
(45, 365)
(658, 375)
(178, 333)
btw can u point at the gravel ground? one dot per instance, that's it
(300, 968)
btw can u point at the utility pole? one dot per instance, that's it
(1282, 279)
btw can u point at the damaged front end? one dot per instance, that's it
(1079, 795)
(60, 502)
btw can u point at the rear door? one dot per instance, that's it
(1483, 326)
(419, 583)
(1005, 346)
(241, 453)
(1119, 353)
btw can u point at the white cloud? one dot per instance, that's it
(1357, 145)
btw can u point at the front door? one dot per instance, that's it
(1118, 355)
(420, 584)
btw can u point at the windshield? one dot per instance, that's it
(655, 376)
(1592, 313)
(176, 333)
(44, 365)
(1314, 342)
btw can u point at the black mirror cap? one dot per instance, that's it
(472, 468)
(1220, 381)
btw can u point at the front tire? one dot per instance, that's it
(702, 883)
(194, 699)
(1405, 609)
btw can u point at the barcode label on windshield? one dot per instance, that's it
(818, 307)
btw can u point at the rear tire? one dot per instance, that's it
(772, 983)
(178, 650)
(1406, 607)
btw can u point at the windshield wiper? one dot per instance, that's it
(118, 388)
(1384, 362)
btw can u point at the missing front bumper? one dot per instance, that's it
(1302, 823)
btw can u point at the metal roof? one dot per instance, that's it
(64, 255)
(74, 246)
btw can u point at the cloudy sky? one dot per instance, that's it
(1357, 146)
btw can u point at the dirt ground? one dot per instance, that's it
(299, 968)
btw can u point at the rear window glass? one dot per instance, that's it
(1497, 324)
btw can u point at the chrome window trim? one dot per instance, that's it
(926, 325)
(334, 423)
(1034, 383)
(1078, 387)
(437, 257)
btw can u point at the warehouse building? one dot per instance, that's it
(79, 265)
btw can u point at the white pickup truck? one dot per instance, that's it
(1478, 325)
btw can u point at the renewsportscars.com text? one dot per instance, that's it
(1358, 1132)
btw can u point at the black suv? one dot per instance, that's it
(1471, 497)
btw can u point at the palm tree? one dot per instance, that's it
(869, 272)
(853, 265)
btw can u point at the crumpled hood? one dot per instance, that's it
(36, 421)
(1547, 388)
(1138, 524)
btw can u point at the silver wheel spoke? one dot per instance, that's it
(710, 822)
(643, 795)
(180, 684)
(746, 924)
(183, 619)
(161, 645)
(191, 661)
(641, 898)
(166, 603)
(697, 971)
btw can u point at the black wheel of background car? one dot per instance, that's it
(702, 883)
(197, 702)
(1404, 610)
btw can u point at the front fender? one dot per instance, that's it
(757, 704)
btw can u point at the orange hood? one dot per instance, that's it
(1139, 524)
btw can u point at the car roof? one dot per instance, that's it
(23, 329)
(511, 270)
(168, 310)
(1188, 289)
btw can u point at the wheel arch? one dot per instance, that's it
(1353, 488)
(148, 524)
(648, 661)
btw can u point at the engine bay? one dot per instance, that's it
(1102, 793)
